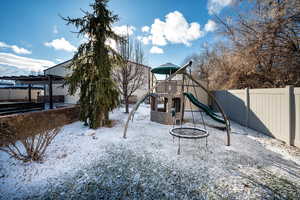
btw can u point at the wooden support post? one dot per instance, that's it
(228, 129)
(29, 92)
(149, 79)
(50, 93)
(152, 79)
(44, 99)
(182, 100)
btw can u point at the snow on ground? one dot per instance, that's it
(101, 164)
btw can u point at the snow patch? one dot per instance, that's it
(77, 148)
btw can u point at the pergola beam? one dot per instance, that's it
(50, 93)
(39, 79)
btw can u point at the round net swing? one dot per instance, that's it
(189, 132)
(192, 132)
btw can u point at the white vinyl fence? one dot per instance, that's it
(273, 111)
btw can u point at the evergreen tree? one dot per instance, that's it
(92, 65)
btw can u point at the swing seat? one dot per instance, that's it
(189, 132)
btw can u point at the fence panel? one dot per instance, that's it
(269, 112)
(234, 103)
(272, 111)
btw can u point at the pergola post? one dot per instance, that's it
(182, 103)
(45, 95)
(29, 92)
(50, 93)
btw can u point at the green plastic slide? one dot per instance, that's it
(204, 107)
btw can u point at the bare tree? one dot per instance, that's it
(269, 41)
(130, 74)
(213, 65)
(262, 47)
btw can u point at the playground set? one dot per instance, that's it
(170, 98)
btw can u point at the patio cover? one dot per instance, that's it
(39, 79)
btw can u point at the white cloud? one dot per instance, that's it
(145, 29)
(61, 44)
(157, 31)
(59, 60)
(215, 6)
(156, 50)
(175, 29)
(20, 50)
(123, 30)
(4, 45)
(112, 43)
(55, 30)
(14, 48)
(210, 26)
(26, 63)
(146, 40)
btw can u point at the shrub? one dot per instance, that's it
(29, 137)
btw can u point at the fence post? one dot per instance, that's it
(247, 104)
(290, 110)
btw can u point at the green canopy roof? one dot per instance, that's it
(167, 68)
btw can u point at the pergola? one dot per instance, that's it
(39, 80)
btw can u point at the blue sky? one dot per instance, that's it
(34, 37)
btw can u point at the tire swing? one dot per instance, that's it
(185, 132)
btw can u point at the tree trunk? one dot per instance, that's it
(106, 116)
(103, 119)
(126, 104)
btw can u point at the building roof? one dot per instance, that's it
(66, 63)
(139, 64)
(60, 64)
